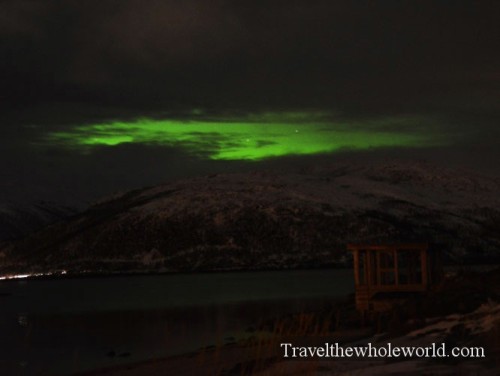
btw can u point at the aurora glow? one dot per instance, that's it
(251, 137)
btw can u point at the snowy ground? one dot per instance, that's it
(479, 324)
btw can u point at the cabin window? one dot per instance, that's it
(373, 275)
(362, 267)
(409, 267)
(387, 268)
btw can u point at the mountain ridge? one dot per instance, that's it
(267, 220)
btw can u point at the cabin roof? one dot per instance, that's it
(380, 247)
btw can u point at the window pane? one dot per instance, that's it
(386, 259)
(362, 267)
(373, 269)
(387, 278)
(409, 267)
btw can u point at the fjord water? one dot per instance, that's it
(63, 326)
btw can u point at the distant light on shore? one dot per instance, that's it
(23, 276)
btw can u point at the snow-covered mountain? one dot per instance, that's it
(268, 220)
(18, 220)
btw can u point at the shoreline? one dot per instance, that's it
(231, 358)
(63, 274)
(83, 275)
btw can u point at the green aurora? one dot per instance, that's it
(251, 137)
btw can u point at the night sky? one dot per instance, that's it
(99, 96)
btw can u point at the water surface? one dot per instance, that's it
(67, 325)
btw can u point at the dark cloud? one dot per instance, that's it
(371, 56)
(65, 63)
(75, 178)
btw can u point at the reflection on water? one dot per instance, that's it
(64, 326)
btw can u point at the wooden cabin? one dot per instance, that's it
(387, 274)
